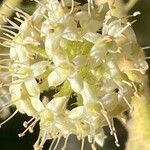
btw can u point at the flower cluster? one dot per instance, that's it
(77, 51)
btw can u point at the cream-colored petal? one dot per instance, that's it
(71, 34)
(76, 82)
(79, 61)
(59, 57)
(51, 44)
(56, 78)
(37, 104)
(76, 113)
(39, 68)
(32, 87)
(25, 106)
(88, 93)
(15, 91)
(57, 104)
(100, 138)
(22, 53)
(91, 37)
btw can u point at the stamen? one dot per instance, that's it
(122, 30)
(63, 3)
(9, 31)
(93, 146)
(36, 145)
(89, 7)
(8, 35)
(124, 98)
(130, 4)
(16, 9)
(72, 6)
(11, 22)
(6, 105)
(58, 140)
(8, 118)
(82, 144)
(147, 57)
(5, 45)
(24, 14)
(53, 141)
(9, 27)
(131, 108)
(44, 138)
(6, 54)
(65, 144)
(146, 47)
(25, 124)
(134, 87)
(8, 40)
(136, 13)
(92, 4)
(104, 113)
(29, 128)
(19, 20)
(115, 135)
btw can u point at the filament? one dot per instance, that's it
(9, 118)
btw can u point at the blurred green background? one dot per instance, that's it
(9, 132)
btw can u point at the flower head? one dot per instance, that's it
(85, 52)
